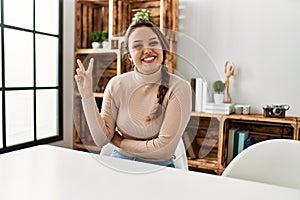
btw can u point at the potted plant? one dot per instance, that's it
(104, 38)
(143, 14)
(96, 37)
(219, 87)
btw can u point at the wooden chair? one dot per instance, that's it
(180, 160)
(274, 161)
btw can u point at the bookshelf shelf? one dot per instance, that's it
(96, 94)
(208, 136)
(203, 163)
(98, 50)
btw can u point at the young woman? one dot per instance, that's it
(145, 111)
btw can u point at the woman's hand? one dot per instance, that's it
(84, 79)
(117, 139)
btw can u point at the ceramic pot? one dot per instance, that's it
(95, 45)
(105, 44)
(219, 97)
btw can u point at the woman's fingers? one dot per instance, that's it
(91, 66)
(84, 79)
(78, 79)
(81, 67)
(80, 72)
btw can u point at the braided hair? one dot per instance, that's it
(164, 85)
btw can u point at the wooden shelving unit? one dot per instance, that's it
(203, 134)
(209, 133)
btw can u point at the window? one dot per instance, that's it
(30, 73)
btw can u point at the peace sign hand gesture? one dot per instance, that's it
(84, 79)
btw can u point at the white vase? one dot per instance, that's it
(219, 97)
(105, 44)
(95, 45)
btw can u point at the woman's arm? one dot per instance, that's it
(117, 139)
(101, 125)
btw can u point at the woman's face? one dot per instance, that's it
(145, 50)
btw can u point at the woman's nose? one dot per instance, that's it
(147, 50)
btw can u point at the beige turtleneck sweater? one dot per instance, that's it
(128, 99)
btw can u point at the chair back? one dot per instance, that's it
(274, 161)
(180, 160)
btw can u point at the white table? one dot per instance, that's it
(48, 172)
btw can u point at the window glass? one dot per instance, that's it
(18, 13)
(18, 58)
(30, 73)
(46, 60)
(19, 117)
(43, 15)
(47, 113)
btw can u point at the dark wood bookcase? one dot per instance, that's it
(208, 135)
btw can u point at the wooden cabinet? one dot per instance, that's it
(203, 134)
(115, 16)
(209, 136)
(90, 15)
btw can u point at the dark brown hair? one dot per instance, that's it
(163, 88)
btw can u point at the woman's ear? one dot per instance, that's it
(129, 57)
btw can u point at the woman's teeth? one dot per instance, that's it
(148, 59)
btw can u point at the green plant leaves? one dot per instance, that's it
(143, 14)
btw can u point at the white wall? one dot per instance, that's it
(68, 58)
(262, 38)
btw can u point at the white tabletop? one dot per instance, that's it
(48, 172)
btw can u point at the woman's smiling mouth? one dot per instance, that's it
(149, 59)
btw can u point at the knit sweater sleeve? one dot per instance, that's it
(176, 117)
(101, 125)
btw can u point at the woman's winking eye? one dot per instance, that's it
(138, 44)
(153, 43)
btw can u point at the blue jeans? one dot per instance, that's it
(168, 163)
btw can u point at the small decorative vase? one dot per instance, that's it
(95, 45)
(105, 44)
(219, 98)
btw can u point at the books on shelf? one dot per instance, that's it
(201, 97)
(231, 133)
(200, 94)
(249, 142)
(237, 141)
(219, 108)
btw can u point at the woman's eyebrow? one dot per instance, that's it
(138, 41)
(154, 38)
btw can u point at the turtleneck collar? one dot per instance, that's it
(147, 78)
